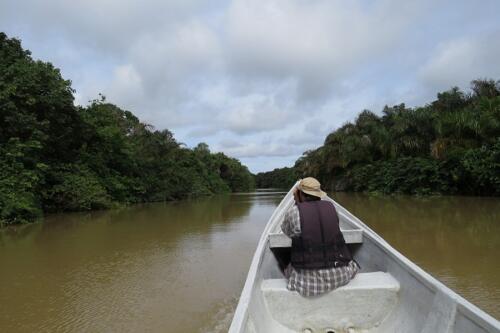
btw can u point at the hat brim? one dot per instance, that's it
(319, 194)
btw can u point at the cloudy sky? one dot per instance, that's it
(262, 81)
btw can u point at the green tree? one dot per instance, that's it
(447, 146)
(55, 156)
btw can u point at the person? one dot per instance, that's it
(320, 259)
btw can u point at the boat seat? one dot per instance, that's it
(361, 304)
(279, 239)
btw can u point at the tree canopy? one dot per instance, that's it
(450, 146)
(282, 178)
(55, 156)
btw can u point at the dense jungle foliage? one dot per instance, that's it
(450, 146)
(55, 156)
(282, 178)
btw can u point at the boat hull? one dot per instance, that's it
(423, 304)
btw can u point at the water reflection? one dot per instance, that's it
(150, 267)
(180, 267)
(456, 239)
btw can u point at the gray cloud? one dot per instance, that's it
(272, 77)
(316, 42)
(456, 62)
(263, 149)
(106, 26)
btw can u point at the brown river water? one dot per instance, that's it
(180, 267)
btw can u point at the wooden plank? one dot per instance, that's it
(282, 240)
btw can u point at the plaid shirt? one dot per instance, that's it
(313, 282)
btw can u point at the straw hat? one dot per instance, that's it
(311, 186)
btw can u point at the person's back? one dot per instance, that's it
(320, 259)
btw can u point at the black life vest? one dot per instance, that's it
(320, 243)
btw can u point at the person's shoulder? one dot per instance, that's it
(328, 203)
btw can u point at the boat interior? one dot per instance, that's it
(389, 294)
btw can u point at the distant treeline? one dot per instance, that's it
(283, 178)
(55, 156)
(450, 146)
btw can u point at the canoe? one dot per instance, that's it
(389, 294)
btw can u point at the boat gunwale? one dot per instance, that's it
(240, 318)
(463, 305)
